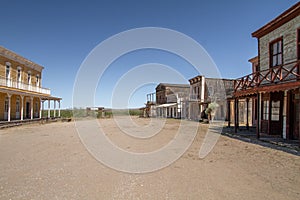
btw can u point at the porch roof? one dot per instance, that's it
(29, 93)
(268, 88)
(166, 105)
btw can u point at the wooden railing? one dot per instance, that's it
(7, 82)
(276, 75)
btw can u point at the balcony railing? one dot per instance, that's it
(276, 75)
(22, 86)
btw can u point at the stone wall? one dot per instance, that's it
(289, 33)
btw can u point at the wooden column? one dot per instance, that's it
(31, 107)
(48, 108)
(235, 115)
(9, 107)
(59, 108)
(258, 116)
(228, 112)
(54, 112)
(22, 107)
(41, 108)
(247, 113)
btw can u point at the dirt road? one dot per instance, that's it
(49, 162)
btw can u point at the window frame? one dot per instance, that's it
(272, 55)
(19, 74)
(265, 109)
(6, 104)
(37, 80)
(18, 104)
(7, 70)
(29, 77)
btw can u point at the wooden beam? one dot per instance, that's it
(247, 120)
(258, 116)
(228, 113)
(235, 115)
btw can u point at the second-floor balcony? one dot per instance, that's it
(10, 83)
(275, 76)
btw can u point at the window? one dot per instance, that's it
(36, 109)
(18, 104)
(29, 77)
(6, 104)
(37, 80)
(211, 91)
(275, 110)
(7, 72)
(266, 110)
(19, 74)
(256, 68)
(276, 53)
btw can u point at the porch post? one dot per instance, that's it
(22, 107)
(9, 107)
(189, 112)
(31, 107)
(235, 115)
(48, 108)
(54, 111)
(41, 108)
(284, 116)
(58, 108)
(228, 112)
(258, 116)
(247, 115)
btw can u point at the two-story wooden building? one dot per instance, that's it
(21, 93)
(171, 100)
(275, 82)
(204, 91)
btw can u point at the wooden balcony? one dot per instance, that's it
(12, 84)
(277, 78)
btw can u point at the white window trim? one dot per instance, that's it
(29, 80)
(19, 78)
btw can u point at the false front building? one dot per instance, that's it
(21, 93)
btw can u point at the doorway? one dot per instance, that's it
(28, 110)
(271, 113)
(294, 116)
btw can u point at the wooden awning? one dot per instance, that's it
(267, 88)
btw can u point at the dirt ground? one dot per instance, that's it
(49, 162)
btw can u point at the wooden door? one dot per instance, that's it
(295, 112)
(276, 108)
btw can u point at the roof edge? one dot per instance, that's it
(20, 59)
(286, 16)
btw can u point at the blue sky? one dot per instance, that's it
(60, 34)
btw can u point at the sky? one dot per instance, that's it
(60, 35)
